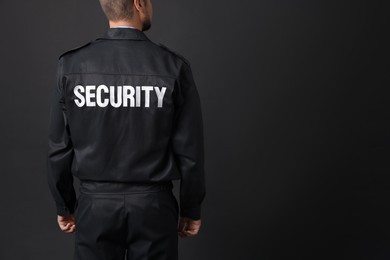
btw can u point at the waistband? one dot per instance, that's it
(123, 187)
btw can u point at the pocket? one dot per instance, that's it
(77, 203)
(174, 201)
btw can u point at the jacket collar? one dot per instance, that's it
(124, 34)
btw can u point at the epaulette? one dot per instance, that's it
(74, 49)
(174, 52)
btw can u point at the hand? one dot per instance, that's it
(188, 227)
(66, 223)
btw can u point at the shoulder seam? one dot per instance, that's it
(173, 52)
(74, 49)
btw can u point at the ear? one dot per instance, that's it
(139, 4)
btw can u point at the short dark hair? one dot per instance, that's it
(116, 10)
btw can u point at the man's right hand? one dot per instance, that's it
(188, 227)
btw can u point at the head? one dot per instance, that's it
(136, 13)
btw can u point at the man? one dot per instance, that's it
(126, 120)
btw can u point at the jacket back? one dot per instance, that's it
(125, 109)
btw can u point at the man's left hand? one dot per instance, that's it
(66, 223)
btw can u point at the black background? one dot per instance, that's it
(296, 116)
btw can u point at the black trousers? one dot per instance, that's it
(133, 221)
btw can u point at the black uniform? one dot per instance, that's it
(126, 120)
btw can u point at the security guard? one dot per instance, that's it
(126, 120)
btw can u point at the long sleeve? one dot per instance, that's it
(188, 145)
(60, 152)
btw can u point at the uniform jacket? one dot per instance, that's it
(125, 109)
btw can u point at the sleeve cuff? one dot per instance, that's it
(192, 213)
(64, 211)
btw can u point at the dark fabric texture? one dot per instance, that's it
(125, 109)
(137, 224)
